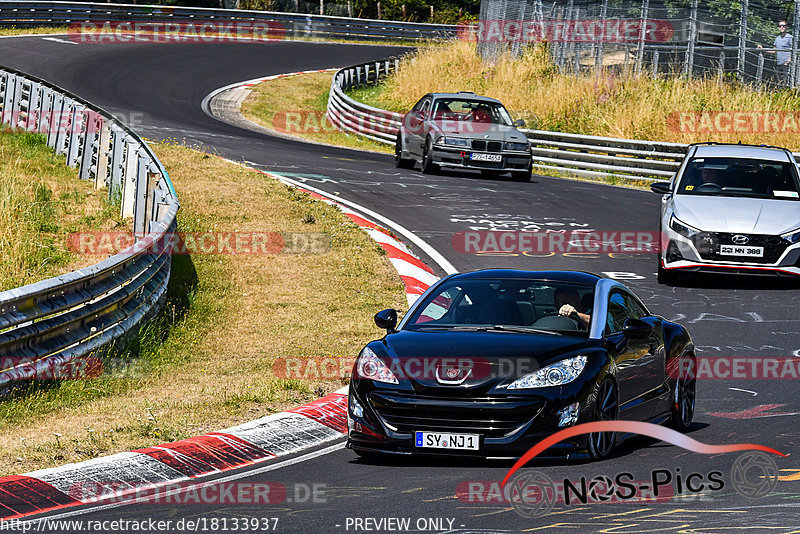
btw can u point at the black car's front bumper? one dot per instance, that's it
(508, 425)
(455, 157)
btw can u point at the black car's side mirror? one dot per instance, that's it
(662, 188)
(636, 328)
(386, 320)
(519, 123)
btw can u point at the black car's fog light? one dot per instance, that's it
(569, 415)
(355, 408)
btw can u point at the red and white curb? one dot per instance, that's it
(187, 460)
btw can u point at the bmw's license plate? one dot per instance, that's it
(738, 250)
(438, 440)
(495, 158)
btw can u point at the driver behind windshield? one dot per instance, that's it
(568, 302)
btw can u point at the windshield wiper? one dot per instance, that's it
(524, 330)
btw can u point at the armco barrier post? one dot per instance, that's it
(101, 175)
(129, 177)
(117, 166)
(140, 204)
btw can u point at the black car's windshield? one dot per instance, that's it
(503, 306)
(739, 177)
(470, 110)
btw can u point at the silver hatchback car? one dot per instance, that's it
(731, 208)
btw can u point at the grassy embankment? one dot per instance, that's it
(207, 361)
(615, 105)
(41, 202)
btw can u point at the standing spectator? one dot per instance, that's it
(782, 59)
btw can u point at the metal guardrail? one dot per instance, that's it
(36, 13)
(580, 155)
(49, 324)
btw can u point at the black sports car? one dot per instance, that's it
(489, 363)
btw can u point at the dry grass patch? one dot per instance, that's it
(14, 30)
(613, 105)
(306, 95)
(41, 202)
(206, 362)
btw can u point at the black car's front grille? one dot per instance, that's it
(708, 244)
(487, 146)
(487, 416)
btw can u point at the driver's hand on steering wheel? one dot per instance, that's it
(566, 310)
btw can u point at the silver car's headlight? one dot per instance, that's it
(453, 141)
(371, 367)
(682, 228)
(556, 374)
(792, 237)
(517, 146)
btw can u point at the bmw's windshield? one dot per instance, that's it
(511, 305)
(470, 110)
(740, 177)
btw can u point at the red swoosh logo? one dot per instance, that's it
(633, 427)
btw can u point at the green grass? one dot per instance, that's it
(41, 202)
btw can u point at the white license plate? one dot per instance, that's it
(486, 157)
(438, 440)
(737, 250)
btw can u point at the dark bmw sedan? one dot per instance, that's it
(491, 362)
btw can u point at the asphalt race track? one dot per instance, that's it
(158, 88)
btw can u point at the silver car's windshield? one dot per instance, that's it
(739, 177)
(470, 110)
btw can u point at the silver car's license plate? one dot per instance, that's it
(738, 250)
(495, 158)
(439, 440)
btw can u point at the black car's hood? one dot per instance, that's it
(494, 357)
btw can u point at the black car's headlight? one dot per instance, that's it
(792, 237)
(371, 367)
(453, 141)
(517, 146)
(556, 374)
(682, 228)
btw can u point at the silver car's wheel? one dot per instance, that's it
(399, 161)
(428, 166)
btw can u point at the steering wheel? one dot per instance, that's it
(708, 186)
(577, 324)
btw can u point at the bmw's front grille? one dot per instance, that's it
(487, 146)
(487, 416)
(708, 244)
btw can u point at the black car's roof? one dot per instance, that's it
(578, 277)
(465, 96)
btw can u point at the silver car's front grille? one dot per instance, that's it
(708, 244)
(487, 146)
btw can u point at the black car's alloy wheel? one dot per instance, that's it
(683, 394)
(399, 161)
(606, 408)
(428, 166)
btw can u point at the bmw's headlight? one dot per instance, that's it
(682, 228)
(517, 146)
(371, 367)
(793, 236)
(453, 141)
(556, 374)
